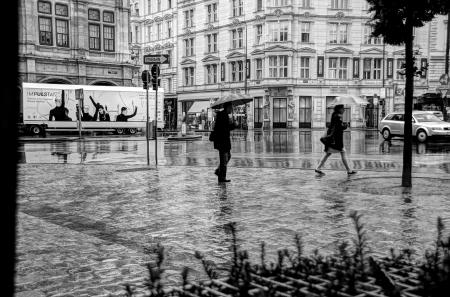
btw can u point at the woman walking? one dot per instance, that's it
(336, 131)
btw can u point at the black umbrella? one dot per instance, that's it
(235, 99)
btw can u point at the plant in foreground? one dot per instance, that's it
(341, 274)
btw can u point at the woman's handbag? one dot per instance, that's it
(327, 140)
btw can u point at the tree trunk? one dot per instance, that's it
(409, 92)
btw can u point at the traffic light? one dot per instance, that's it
(145, 79)
(155, 71)
(156, 82)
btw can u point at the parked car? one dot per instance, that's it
(425, 125)
(437, 113)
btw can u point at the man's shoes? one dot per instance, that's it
(318, 171)
(224, 180)
(351, 172)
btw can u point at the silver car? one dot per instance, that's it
(425, 125)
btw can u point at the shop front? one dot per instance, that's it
(170, 114)
(195, 114)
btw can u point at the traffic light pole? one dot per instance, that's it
(146, 132)
(156, 126)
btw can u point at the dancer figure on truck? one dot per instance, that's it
(123, 117)
(100, 113)
(59, 112)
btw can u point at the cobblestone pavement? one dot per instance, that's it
(83, 230)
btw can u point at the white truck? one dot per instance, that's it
(55, 107)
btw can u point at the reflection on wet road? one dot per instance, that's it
(275, 149)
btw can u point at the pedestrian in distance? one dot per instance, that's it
(123, 117)
(221, 136)
(334, 141)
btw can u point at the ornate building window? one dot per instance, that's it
(337, 68)
(278, 66)
(211, 43)
(279, 31)
(237, 6)
(338, 33)
(108, 17)
(45, 31)
(211, 74)
(304, 67)
(212, 12)
(377, 68)
(188, 76)
(108, 38)
(61, 10)
(62, 33)
(189, 47)
(259, 68)
(45, 7)
(339, 4)
(46, 19)
(237, 71)
(237, 38)
(94, 14)
(368, 38)
(94, 37)
(305, 28)
(189, 18)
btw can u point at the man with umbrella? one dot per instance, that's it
(222, 141)
(221, 133)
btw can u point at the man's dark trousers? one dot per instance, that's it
(224, 157)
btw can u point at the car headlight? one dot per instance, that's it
(437, 128)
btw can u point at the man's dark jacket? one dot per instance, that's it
(222, 129)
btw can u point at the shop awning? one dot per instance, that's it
(198, 106)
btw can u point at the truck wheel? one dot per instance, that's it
(386, 134)
(422, 136)
(132, 131)
(120, 131)
(35, 130)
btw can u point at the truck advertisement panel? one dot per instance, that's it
(57, 105)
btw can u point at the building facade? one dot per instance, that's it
(437, 42)
(75, 42)
(292, 56)
(154, 31)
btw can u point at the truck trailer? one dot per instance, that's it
(60, 107)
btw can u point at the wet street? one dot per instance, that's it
(89, 211)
